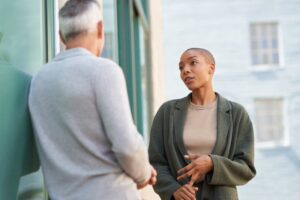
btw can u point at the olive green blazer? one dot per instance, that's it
(232, 155)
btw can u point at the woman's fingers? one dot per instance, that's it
(189, 192)
(183, 196)
(194, 179)
(186, 168)
(185, 192)
(191, 189)
(185, 175)
(191, 157)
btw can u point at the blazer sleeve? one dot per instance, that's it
(240, 169)
(113, 106)
(166, 184)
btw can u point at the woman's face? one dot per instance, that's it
(195, 71)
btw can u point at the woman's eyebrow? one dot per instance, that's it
(189, 58)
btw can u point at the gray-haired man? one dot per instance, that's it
(88, 145)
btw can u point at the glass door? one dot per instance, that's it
(23, 46)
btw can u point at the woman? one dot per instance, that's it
(202, 145)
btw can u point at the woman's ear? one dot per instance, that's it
(211, 69)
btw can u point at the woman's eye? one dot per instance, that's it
(193, 62)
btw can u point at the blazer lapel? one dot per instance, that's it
(179, 120)
(223, 125)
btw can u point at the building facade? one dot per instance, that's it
(256, 45)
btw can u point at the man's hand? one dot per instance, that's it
(151, 181)
(185, 192)
(197, 169)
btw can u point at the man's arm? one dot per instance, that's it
(113, 106)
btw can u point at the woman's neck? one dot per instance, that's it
(203, 96)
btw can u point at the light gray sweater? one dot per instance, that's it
(87, 142)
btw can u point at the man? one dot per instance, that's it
(87, 142)
(17, 148)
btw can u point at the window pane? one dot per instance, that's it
(269, 120)
(265, 59)
(275, 58)
(109, 17)
(21, 43)
(274, 43)
(264, 30)
(264, 43)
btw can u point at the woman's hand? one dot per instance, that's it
(185, 192)
(197, 169)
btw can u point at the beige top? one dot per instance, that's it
(200, 129)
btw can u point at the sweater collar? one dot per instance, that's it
(74, 52)
(223, 105)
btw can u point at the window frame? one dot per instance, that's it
(129, 12)
(271, 66)
(285, 141)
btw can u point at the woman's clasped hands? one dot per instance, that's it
(195, 170)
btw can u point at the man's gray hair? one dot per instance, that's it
(79, 16)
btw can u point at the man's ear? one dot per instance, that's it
(62, 38)
(100, 30)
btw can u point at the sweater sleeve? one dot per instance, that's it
(113, 107)
(166, 184)
(240, 169)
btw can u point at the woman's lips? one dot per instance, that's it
(187, 80)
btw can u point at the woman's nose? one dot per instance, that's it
(186, 70)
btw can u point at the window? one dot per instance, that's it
(133, 34)
(108, 46)
(23, 46)
(269, 122)
(264, 44)
(17, 37)
(110, 49)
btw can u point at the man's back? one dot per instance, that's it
(88, 145)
